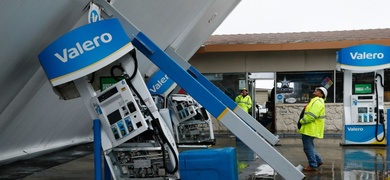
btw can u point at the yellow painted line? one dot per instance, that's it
(222, 114)
(236, 108)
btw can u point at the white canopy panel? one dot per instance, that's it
(33, 120)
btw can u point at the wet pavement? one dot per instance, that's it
(340, 162)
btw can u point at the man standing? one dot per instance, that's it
(312, 126)
(244, 100)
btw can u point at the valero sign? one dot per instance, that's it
(364, 57)
(159, 83)
(84, 50)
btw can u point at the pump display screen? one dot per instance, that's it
(363, 83)
(362, 110)
(114, 117)
(363, 89)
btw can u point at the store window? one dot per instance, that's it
(298, 87)
(227, 82)
(339, 85)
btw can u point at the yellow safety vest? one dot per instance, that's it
(313, 121)
(244, 102)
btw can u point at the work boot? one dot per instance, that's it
(309, 168)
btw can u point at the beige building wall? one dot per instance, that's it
(276, 61)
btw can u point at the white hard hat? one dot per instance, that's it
(324, 91)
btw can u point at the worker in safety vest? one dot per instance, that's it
(244, 100)
(312, 126)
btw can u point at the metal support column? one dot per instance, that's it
(97, 149)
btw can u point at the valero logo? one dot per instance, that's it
(94, 13)
(84, 50)
(364, 57)
(159, 83)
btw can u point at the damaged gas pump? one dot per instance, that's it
(136, 141)
(142, 145)
(192, 123)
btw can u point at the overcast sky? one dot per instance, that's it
(273, 16)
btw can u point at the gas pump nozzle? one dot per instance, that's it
(381, 116)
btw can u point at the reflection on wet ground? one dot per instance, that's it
(340, 162)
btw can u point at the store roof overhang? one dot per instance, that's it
(210, 48)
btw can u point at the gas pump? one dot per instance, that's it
(192, 124)
(366, 124)
(140, 144)
(364, 120)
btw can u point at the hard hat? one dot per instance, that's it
(324, 91)
(244, 89)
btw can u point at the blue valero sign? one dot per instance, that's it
(159, 83)
(84, 50)
(364, 57)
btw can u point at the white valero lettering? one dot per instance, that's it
(354, 129)
(365, 55)
(159, 83)
(88, 45)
